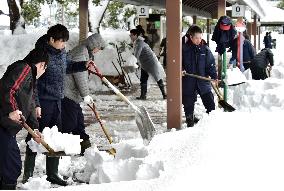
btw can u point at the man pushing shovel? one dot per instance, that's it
(17, 98)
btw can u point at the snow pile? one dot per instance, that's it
(235, 76)
(253, 95)
(68, 143)
(128, 164)
(39, 183)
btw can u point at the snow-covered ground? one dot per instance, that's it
(240, 150)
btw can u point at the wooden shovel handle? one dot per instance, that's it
(101, 123)
(33, 134)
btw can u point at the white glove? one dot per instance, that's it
(88, 99)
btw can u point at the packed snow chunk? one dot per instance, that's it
(68, 143)
(133, 148)
(39, 183)
(149, 171)
(235, 76)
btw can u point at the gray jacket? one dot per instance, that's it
(76, 84)
(147, 58)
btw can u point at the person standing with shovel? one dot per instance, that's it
(76, 87)
(197, 59)
(50, 94)
(17, 99)
(148, 62)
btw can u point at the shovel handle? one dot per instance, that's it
(33, 134)
(93, 108)
(97, 71)
(116, 91)
(218, 93)
(199, 77)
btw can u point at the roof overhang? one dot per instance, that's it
(255, 5)
(189, 7)
(205, 8)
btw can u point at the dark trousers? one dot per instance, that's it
(144, 77)
(50, 115)
(10, 158)
(73, 118)
(258, 73)
(188, 102)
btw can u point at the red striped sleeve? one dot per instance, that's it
(16, 86)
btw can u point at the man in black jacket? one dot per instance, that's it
(260, 63)
(17, 98)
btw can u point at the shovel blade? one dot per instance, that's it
(226, 106)
(236, 84)
(145, 124)
(56, 154)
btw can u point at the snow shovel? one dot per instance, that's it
(143, 120)
(50, 150)
(209, 79)
(221, 101)
(111, 151)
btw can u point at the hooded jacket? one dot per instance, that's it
(223, 38)
(146, 58)
(76, 84)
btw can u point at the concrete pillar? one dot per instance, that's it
(83, 20)
(174, 104)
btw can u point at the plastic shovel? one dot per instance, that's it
(143, 120)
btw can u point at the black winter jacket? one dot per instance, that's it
(263, 58)
(17, 93)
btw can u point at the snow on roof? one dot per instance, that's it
(274, 15)
(257, 7)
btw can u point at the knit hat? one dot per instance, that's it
(95, 41)
(37, 55)
(225, 23)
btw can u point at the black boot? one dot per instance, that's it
(143, 92)
(195, 119)
(29, 165)
(190, 120)
(84, 145)
(52, 171)
(162, 88)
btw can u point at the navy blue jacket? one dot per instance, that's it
(197, 60)
(248, 50)
(50, 84)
